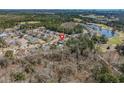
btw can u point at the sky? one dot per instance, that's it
(61, 4)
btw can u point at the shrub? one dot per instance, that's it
(122, 68)
(18, 76)
(2, 43)
(3, 63)
(121, 79)
(29, 69)
(41, 79)
(102, 75)
(9, 54)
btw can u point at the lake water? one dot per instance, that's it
(107, 33)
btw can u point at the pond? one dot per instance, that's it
(107, 33)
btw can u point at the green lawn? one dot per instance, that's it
(114, 40)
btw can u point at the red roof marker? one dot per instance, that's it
(61, 36)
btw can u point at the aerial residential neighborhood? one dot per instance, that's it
(61, 46)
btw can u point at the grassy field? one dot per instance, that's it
(116, 39)
(30, 22)
(103, 26)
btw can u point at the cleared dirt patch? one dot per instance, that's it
(69, 25)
